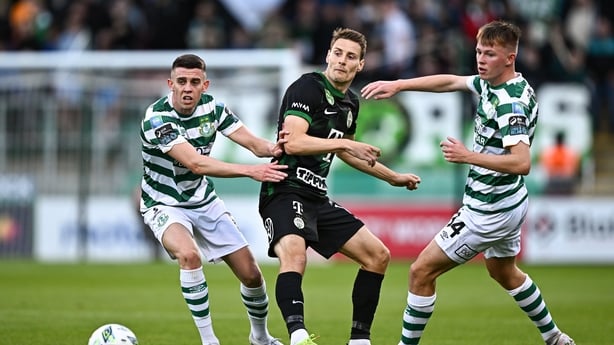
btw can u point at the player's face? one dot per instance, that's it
(495, 63)
(344, 62)
(186, 86)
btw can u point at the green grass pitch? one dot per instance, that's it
(51, 304)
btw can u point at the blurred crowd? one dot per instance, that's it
(564, 40)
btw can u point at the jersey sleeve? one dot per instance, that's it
(160, 131)
(229, 122)
(513, 119)
(474, 84)
(302, 98)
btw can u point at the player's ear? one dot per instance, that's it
(361, 65)
(205, 85)
(169, 82)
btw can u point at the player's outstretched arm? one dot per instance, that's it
(382, 172)
(199, 164)
(258, 146)
(433, 83)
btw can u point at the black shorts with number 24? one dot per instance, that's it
(324, 224)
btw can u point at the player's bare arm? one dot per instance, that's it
(434, 83)
(300, 143)
(258, 146)
(187, 155)
(382, 172)
(517, 162)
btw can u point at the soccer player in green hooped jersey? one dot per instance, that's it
(317, 119)
(178, 200)
(496, 200)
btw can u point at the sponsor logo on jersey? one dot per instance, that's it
(466, 252)
(349, 119)
(166, 134)
(268, 227)
(300, 106)
(517, 108)
(156, 121)
(518, 125)
(312, 179)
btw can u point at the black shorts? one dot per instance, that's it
(324, 224)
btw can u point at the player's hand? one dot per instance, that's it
(454, 150)
(278, 148)
(366, 152)
(269, 172)
(409, 181)
(380, 89)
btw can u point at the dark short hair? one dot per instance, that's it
(352, 35)
(499, 33)
(189, 61)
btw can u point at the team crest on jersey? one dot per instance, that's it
(349, 119)
(162, 219)
(206, 127)
(479, 126)
(329, 97)
(299, 223)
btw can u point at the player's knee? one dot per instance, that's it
(378, 261)
(417, 272)
(189, 258)
(383, 257)
(253, 279)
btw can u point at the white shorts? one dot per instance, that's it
(469, 233)
(214, 229)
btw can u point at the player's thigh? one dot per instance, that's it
(171, 226)
(336, 226)
(368, 250)
(177, 239)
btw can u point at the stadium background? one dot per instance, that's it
(76, 76)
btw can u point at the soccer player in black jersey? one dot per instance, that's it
(318, 118)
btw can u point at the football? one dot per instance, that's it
(113, 334)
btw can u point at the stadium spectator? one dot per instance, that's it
(178, 200)
(600, 58)
(207, 29)
(396, 32)
(495, 202)
(318, 112)
(562, 166)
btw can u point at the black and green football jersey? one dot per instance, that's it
(331, 114)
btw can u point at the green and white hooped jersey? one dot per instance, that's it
(506, 115)
(165, 180)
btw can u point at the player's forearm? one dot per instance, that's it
(507, 164)
(208, 166)
(305, 145)
(431, 83)
(379, 170)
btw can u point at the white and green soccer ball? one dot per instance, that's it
(113, 334)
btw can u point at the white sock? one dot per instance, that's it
(298, 336)
(196, 294)
(256, 302)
